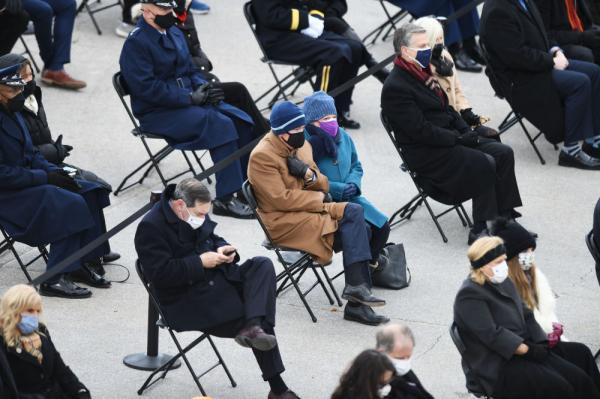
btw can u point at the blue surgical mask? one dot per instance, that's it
(423, 57)
(28, 324)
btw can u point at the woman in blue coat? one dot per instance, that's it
(40, 203)
(336, 156)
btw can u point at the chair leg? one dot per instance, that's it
(299, 291)
(407, 210)
(187, 363)
(199, 161)
(222, 362)
(330, 282)
(187, 160)
(435, 220)
(532, 142)
(460, 216)
(91, 14)
(467, 218)
(30, 54)
(320, 282)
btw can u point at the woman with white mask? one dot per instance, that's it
(507, 353)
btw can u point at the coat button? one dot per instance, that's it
(211, 283)
(448, 90)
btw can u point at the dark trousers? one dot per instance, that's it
(379, 237)
(581, 356)
(501, 198)
(11, 27)
(352, 237)
(53, 21)
(596, 227)
(554, 378)
(237, 95)
(580, 53)
(256, 283)
(579, 88)
(126, 16)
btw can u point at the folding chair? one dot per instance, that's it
(595, 251)
(29, 54)
(181, 352)
(292, 81)
(8, 244)
(388, 26)
(295, 262)
(474, 386)
(407, 210)
(153, 158)
(87, 4)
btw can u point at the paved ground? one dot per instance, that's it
(95, 334)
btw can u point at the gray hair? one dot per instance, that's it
(403, 35)
(191, 190)
(386, 336)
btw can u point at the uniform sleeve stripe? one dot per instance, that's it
(317, 12)
(295, 19)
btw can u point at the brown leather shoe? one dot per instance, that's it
(255, 337)
(286, 395)
(62, 79)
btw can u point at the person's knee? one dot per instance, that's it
(264, 264)
(41, 13)
(354, 212)
(68, 7)
(580, 53)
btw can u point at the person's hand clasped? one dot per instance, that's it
(228, 251)
(297, 167)
(537, 353)
(560, 61)
(470, 139)
(350, 191)
(60, 178)
(213, 259)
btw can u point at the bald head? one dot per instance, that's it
(396, 340)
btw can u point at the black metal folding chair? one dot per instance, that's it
(295, 263)
(8, 244)
(407, 210)
(284, 87)
(474, 387)
(181, 352)
(389, 26)
(590, 240)
(29, 54)
(95, 6)
(153, 158)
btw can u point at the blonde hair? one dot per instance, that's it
(433, 28)
(15, 301)
(477, 250)
(527, 289)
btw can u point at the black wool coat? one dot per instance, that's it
(493, 321)
(192, 297)
(408, 386)
(28, 379)
(556, 21)
(426, 129)
(519, 54)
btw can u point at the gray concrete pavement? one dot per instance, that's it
(94, 335)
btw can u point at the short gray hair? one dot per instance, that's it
(403, 35)
(191, 190)
(387, 335)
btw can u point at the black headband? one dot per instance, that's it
(489, 256)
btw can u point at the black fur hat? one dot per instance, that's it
(516, 238)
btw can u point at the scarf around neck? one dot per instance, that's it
(323, 145)
(424, 76)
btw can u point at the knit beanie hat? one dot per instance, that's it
(317, 105)
(516, 238)
(286, 116)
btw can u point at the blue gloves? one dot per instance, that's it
(350, 191)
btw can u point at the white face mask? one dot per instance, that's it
(402, 366)
(384, 391)
(500, 273)
(194, 221)
(526, 260)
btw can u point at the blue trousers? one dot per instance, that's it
(54, 39)
(579, 89)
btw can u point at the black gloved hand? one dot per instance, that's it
(443, 66)
(470, 117)
(327, 198)
(589, 38)
(13, 6)
(296, 167)
(537, 352)
(200, 95)
(469, 139)
(215, 95)
(60, 178)
(62, 150)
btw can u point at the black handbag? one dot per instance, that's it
(392, 272)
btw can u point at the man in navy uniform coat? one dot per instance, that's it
(199, 283)
(171, 99)
(40, 203)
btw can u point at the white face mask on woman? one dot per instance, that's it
(526, 260)
(500, 273)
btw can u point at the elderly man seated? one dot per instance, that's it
(292, 201)
(397, 341)
(199, 283)
(171, 99)
(453, 163)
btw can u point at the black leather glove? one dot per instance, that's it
(327, 198)
(215, 95)
(537, 352)
(443, 66)
(200, 95)
(296, 167)
(60, 178)
(13, 6)
(589, 38)
(469, 139)
(470, 117)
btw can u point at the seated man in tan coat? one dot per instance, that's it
(296, 208)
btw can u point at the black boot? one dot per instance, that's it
(86, 275)
(363, 314)
(361, 294)
(232, 207)
(345, 121)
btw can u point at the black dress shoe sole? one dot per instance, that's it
(52, 293)
(575, 164)
(373, 304)
(365, 321)
(263, 343)
(83, 280)
(222, 212)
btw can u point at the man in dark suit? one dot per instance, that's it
(559, 96)
(397, 341)
(199, 283)
(453, 163)
(13, 22)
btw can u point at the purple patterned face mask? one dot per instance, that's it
(330, 127)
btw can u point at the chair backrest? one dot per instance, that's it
(150, 290)
(471, 376)
(390, 132)
(489, 71)
(253, 203)
(122, 90)
(251, 19)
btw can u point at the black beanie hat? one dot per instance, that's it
(516, 238)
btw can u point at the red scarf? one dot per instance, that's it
(574, 19)
(424, 76)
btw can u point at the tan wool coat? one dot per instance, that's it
(451, 86)
(293, 212)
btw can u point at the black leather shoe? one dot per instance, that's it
(363, 314)
(361, 294)
(347, 123)
(475, 53)
(580, 161)
(111, 257)
(233, 208)
(463, 62)
(97, 266)
(87, 276)
(64, 288)
(473, 236)
(286, 395)
(592, 151)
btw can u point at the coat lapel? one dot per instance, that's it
(534, 16)
(12, 128)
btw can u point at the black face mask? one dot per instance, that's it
(16, 103)
(165, 21)
(29, 88)
(295, 140)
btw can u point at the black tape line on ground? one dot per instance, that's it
(219, 166)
